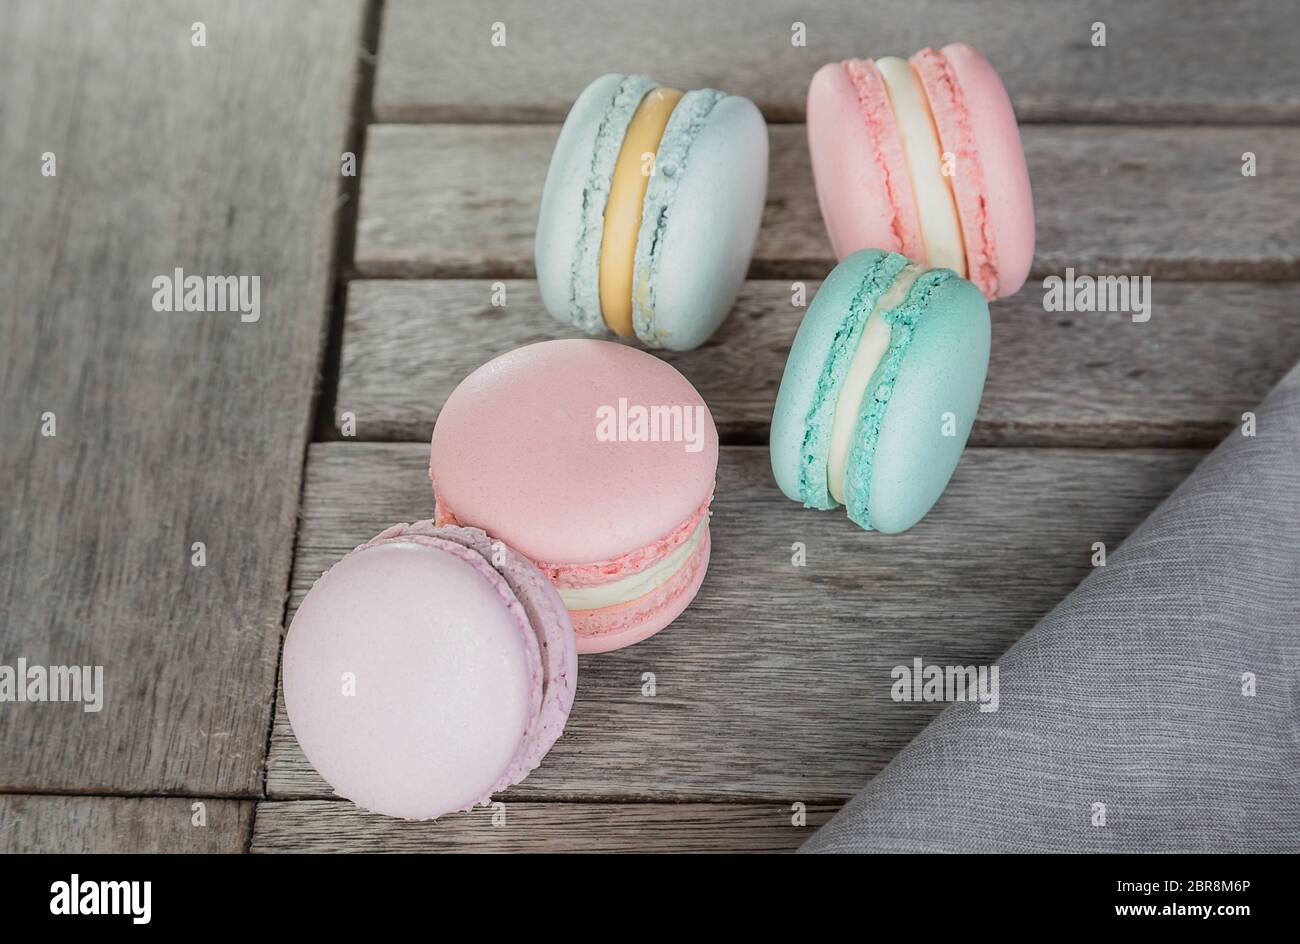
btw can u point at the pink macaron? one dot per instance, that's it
(923, 157)
(598, 462)
(429, 669)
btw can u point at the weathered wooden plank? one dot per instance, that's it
(329, 826)
(438, 61)
(462, 200)
(777, 678)
(1210, 351)
(172, 428)
(87, 824)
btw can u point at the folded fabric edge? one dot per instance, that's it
(1102, 743)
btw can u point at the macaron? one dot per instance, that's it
(429, 669)
(597, 461)
(650, 210)
(880, 390)
(923, 157)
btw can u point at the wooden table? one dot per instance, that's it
(772, 691)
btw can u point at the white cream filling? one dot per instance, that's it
(940, 226)
(872, 345)
(639, 584)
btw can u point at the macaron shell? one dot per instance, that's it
(613, 627)
(861, 176)
(515, 452)
(709, 230)
(942, 371)
(555, 636)
(672, 157)
(804, 366)
(957, 143)
(1009, 200)
(568, 228)
(560, 219)
(444, 680)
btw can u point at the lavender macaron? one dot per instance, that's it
(429, 669)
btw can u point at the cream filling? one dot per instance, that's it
(625, 205)
(872, 345)
(630, 588)
(935, 205)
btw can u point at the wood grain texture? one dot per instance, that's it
(172, 428)
(1164, 60)
(775, 682)
(1210, 351)
(462, 201)
(91, 824)
(328, 826)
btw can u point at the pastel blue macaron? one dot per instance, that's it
(909, 347)
(700, 215)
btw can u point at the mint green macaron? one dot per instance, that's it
(906, 348)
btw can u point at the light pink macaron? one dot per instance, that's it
(877, 186)
(429, 669)
(598, 462)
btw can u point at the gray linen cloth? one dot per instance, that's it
(1130, 694)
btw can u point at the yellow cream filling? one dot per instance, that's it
(624, 206)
